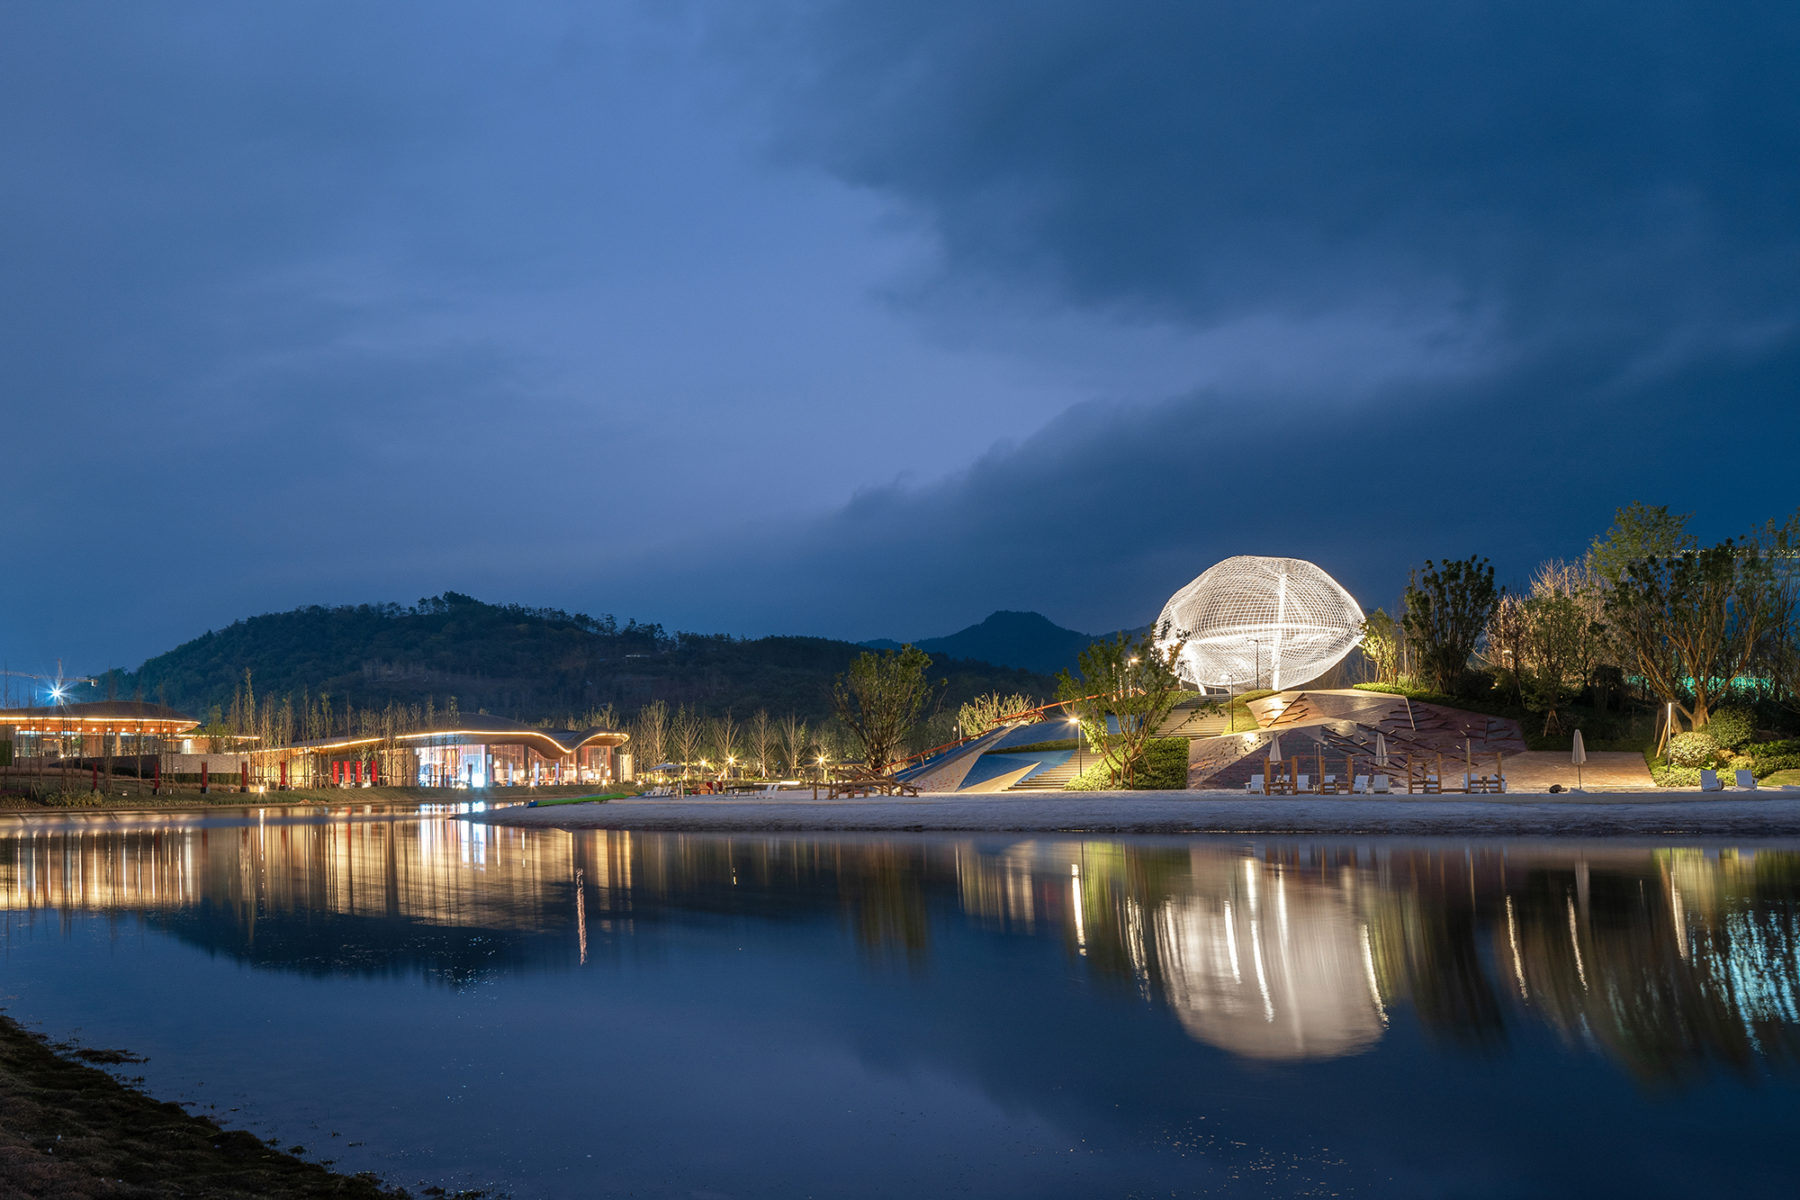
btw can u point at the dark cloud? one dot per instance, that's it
(870, 317)
(1099, 517)
(1198, 160)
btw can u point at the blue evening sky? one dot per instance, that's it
(866, 318)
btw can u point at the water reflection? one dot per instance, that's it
(1667, 961)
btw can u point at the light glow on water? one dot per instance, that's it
(482, 1006)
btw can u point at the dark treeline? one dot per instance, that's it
(532, 664)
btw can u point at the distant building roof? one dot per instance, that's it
(487, 730)
(107, 712)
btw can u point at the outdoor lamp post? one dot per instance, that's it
(1076, 722)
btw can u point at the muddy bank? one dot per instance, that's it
(1769, 814)
(70, 1131)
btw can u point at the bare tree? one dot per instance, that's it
(722, 738)
(794, 743)
(761, 735)
(686, 734)
(650, 733)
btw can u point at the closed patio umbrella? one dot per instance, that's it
(1380, 748)
(1577, 755)
(1275, 747)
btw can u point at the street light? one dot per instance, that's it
(1076, 722)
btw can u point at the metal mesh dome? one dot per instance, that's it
(1255, 622)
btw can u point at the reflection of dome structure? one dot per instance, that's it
(1261, 622)
(1285, 974)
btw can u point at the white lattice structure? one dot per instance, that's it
(1254, 622)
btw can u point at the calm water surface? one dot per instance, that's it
(693, 1016)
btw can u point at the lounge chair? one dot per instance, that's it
(1709, 781)
(1255, 784)
(1329, 787)
(1302, 783)
(1746, 780)
(1379, 785)
(1360, 785)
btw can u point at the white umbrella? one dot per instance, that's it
(1578, 755)
(1380, 748)
(1275, 747)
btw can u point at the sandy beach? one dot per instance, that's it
(1765, 814)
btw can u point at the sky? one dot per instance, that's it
(865, 319)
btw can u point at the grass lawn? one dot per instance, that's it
(1782, 779)
(547, 801)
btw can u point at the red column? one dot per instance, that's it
(203, 785)
(157, 790)
(359, 772)
(243, 777)
(374, 772)
(284, 774)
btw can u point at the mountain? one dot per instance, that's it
(532, 664)
(1027, 641)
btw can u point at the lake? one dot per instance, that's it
(551, 1014)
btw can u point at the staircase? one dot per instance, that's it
(1193, 722)
(1052, 778)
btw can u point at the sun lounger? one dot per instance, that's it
(1303, 783)
(1255, 784)
(1379, 785)
(1709, 781)
(1328, 787)
(1360, 785)
(1746, 780)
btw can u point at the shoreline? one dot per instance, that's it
(71, 1129)
(1586, 814)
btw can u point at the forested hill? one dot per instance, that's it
(529, 663)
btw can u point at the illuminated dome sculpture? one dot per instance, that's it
(1255, 622)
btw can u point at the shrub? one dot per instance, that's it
(1163, 769)
(1731, 727)
(1771, 763)
(1668, 776)
(1788, 746)
(1692, 749)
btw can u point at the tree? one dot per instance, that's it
(649, 734)
(1639, 531)
(686, 734)
(1125, 690)
(1560, 638)
(983, 712)
(880, 698)
(1381, 638)
(761, 734)
(1447, 610)
(1693, 622)
(722, 739)
(793, 744)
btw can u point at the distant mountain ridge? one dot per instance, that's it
(528, 663)
(1027, 641)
